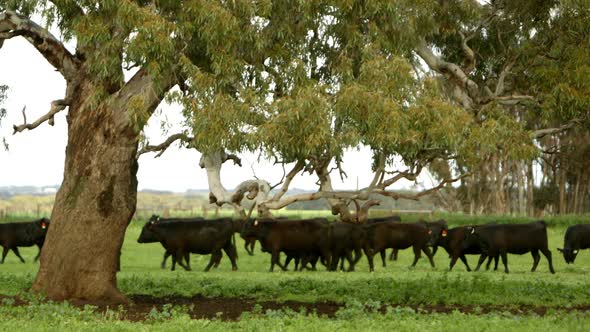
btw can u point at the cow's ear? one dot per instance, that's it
(575, 252)
(255, 222)
(43, 224)
(472, 230)
(444, 232)
(429, 231)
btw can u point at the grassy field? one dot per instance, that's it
(396, 285)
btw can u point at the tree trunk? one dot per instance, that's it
(530, 189)
(562, 193)
(520, 170)
(93, 207)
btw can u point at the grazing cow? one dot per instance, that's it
(307, 237)
(576, 237)
(383, 235)
(452, 240)
(346, 239)
(23, 234)
(435, 227)
(511, 239)
(204, 237)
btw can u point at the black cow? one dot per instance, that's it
(346, 238)
(383, 235)
(307, 237)
(392, 218)
(576, 237)
(453, 241)
(150, 237)
(203, 237)
(511, 239)
(250, 242)
(23, 234)
(435, 227)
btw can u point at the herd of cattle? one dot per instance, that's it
(308, 241)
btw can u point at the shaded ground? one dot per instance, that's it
(230, 309)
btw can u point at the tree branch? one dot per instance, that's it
(56, 107)
(551, 131)
(161, 148)
(452, 70)
(417, 196)
(296, 169)
(13, 24)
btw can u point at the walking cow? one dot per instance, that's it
(23, 234)
(511, 239)
(203, 237)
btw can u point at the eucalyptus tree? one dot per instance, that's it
(163, 44)
(336, 75)
(513, 65)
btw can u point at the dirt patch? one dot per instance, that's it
(230, 309)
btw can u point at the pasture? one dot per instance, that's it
(398, 296)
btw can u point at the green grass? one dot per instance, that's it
(397, 284)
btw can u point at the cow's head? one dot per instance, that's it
(154, 218)
(147, 234)
(473, 238)
(569, 254)
(437, 231)
(44, 223)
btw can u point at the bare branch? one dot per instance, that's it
(417, 196)
(13, 24)
(56, 107)
(452, 70)
(551, 131)
(514, 99)
(236, 159)
(161, 148)
(502, 77)
(296, 169)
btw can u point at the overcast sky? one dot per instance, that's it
(37, 157)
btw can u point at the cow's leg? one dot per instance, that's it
(496, 260)
(464, 260)
(369, 253)
(166, 255)
(452, 263)
(547, 253)
(383, 254)
(177, 259)
(38, 253)
(252, 244)
(417, 254)
(482, 258)
(489, 263)
(393, 255)
(429, 255)
(275, 259)
(434, 249)
(215, 256)
(231, 252)
(4, 253)
(505, 261)
(313, 261)
(173, 262)
(358, 254)
(15, 250)
(536, 259)
(350, 261)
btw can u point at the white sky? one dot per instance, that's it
(37, 157)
